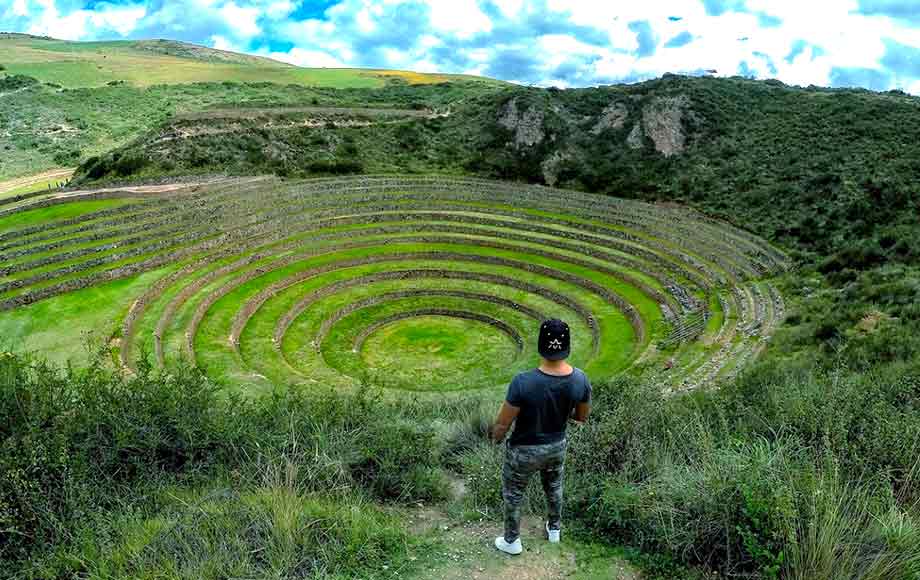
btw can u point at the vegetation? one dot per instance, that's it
(782, 473)
(291, 270)
(740, 160)
(299, 444)
(153, 62)
(44, 126)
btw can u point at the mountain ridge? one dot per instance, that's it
(157, 61)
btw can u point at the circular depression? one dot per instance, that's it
(437, 350)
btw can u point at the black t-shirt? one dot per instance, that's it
(546, 403)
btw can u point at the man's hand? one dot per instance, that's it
(506, 416)
(580, 414)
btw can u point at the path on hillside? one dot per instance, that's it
(78, 194)
(21, 182)
(464, 550)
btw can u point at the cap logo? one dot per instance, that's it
(555, 344)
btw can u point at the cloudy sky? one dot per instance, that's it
(869, 43)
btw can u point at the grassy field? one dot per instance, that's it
(34, 183)
(144, 63)
(63, 102)
(354, 336)
(327, 279)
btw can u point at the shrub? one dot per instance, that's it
(75, 443)
(69, 437)
(15, 82)
(273, 531)
(130, 164)
(397, 460)
(67, 156)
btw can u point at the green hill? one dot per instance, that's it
(820, 170)
(62, 102)
(151, 62)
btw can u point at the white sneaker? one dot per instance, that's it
(514, 548)
(552, 535)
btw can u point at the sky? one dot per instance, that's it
(873, 44)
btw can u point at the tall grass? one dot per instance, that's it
(780, 475)
(777, 476)
(284, 484)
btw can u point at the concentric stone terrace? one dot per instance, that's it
(411, 283)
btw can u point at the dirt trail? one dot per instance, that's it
(159, 188)
(465, 550)
(466, 553)
(19, 182)
(77, 194)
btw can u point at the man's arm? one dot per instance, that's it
(583, 406)
(506, 416)
(581, 412)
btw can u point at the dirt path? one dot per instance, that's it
(463, 550)
(160, 188)
(78, 194)
(21, 182)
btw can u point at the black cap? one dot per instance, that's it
(554, 341)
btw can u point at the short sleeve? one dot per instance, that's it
(513, 397)
(586, 392)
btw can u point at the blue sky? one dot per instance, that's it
(869, 43)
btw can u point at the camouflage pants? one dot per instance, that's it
(521, 462)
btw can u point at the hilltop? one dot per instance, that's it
(62, 102)
(151, 62)
(820, 170)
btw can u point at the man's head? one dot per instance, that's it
(554, 340)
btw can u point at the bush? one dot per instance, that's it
(69, 438)
(75, 443)
(130, 164)
(16, 82)
(68, 156)
(217, 532)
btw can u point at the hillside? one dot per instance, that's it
(732, 147)
(152, 62)
(44, 126)
(830, 175)
(294, 375)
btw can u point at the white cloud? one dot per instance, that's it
(20, 8)
(221, 43)
(279, 9)
(242, 20)
(510, 8)
(84, 24)
(560, 42)
(308, 58)
(461, 17)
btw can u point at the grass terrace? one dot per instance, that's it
(267, 283)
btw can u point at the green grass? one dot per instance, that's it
(211, 339)
(145, 63)
(259, 365)
(437, 353)
(57, 212)
(41, 182)
(66, 327)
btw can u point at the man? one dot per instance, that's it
(540, 403)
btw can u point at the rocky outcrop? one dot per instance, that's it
(612, 117)
(551, 166)
(662, 119)
(635, 137)
(527, 125)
